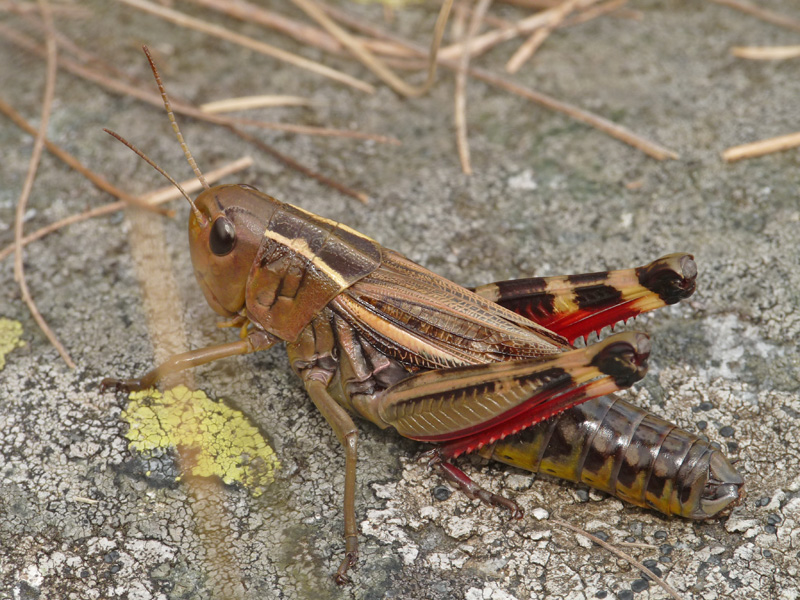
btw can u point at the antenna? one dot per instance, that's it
(172, 120)
(198, 215)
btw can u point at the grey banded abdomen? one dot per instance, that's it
(615, 447)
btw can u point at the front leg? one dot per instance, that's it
(312, 357)
(347, 434)
(256, 340)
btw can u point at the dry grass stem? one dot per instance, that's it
(386, 48)
(406, 64)
(67, 46)
(492, 38)
(607, 7)
(460, 113)
(592, 12)
(84, 500)
(766, 52)
(638, 545)
(612, 6)
(118, 87)
(372, 30)
(528, 49)
(220, 32)
(619, 132)
(252, 13)
(293, 164)
(154, 198)
(491, 20)
(136, 91)
(459, 19)
(62, 10)
(301, 32)
(636, 184)
(761, 13)
(776, 144)
(63, 42)
(532, 44)
(98, 180)
(624, 556)
(369, 60)
(250, 102)
(27, 186)
(191, 186)
(532, 4)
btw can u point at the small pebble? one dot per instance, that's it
(540, 514)
(442, 492)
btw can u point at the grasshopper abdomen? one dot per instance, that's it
(618, 448)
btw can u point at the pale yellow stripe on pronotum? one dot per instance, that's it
(302, 248)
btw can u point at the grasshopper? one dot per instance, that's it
(490, 369)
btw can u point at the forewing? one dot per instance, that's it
(428, 322)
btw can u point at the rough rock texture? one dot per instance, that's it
(84, 516)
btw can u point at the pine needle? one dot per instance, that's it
(98, 180)
(220, 32)
(36, 155)
(159, 196)
(460, 114)
(624, 556)
(768, 146)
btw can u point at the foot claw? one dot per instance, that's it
(471, 489)
(501, 502)
(350, 560)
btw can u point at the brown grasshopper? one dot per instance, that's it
(373, 334)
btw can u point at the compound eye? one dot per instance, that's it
(222, 238)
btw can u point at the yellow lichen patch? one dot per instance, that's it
(220, 440)
(10, 334)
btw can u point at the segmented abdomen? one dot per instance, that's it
(630, 453)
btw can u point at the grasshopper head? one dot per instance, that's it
(225, 233)
(226, 225)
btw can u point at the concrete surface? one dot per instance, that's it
(82, 515)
